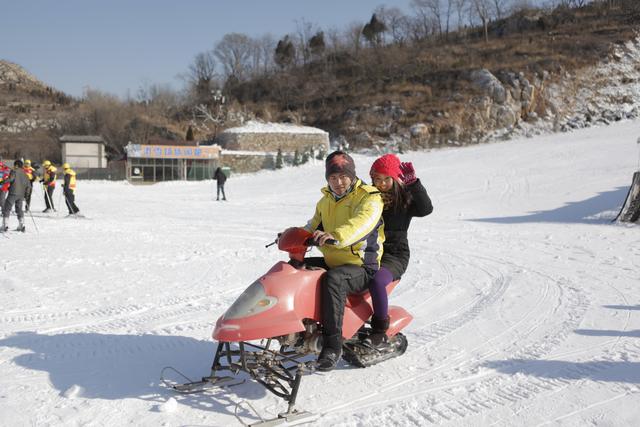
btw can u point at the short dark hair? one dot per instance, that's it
(18, 163)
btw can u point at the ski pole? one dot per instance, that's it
(34, 221)
(59, 198)
(46, 196)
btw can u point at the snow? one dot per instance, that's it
(525, 296)
(255, 126)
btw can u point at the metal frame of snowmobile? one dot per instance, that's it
(265, 365)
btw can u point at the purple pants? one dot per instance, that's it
(378, 290)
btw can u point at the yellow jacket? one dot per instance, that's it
(70, 179)
(355, 221)
(49, 176)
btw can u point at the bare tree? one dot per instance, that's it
(201, 76)
(353, 37)
(266, 44)
(422, 23)
(304, 32)
(159, 98)
(461, 8)
(483, 9)
(397, 23)
(234, 53)
(499, 7)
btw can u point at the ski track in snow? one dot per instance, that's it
(524, 296)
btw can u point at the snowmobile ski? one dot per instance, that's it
(291, 418)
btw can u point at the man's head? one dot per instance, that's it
(66, 166)
(46, 163)
(27, 162)
(18, 164)
(340, 172)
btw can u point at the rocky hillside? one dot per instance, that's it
(29, 113)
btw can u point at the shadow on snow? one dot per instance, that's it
(623, 307)
(597, 370)
(608, 333)
(585, 211)
(126, 366)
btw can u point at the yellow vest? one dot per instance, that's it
(28, 170)
(50, 173)
(72, 180)
(355, 221)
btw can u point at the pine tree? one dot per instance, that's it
(279, 161)
(296, 158)
(305, 157)
(321, 154)
(285, 53)
(189, 136)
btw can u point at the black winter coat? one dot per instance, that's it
(220, 176)
(396, 253)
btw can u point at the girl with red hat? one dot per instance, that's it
(404, 197)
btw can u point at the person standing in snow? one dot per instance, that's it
(4, 183)
(404, 197)
(31, 174)
(69, 189)
(221, 178)
(49, 184)
(350, 213)
(17, 191)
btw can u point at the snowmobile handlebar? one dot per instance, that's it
(312, 242)
(308, 242)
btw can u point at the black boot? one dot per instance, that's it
(378, 336)
(331, 352)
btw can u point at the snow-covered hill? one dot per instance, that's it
(525, 296)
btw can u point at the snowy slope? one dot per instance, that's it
(525, 297)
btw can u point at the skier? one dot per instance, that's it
(49, 184)
(4, 183)
(350, 213)
(17, 191)
(69, 189)
(220, 176)
(404, 197)
(31, 174)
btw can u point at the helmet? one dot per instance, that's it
(66, 166)
(46, 163)
(27, 162)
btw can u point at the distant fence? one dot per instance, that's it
(115, 171)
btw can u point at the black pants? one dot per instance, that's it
(337, 283)
(221, 188)
(27, 197)
(70, 198)
(48, 196)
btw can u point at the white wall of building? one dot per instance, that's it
(84, 155)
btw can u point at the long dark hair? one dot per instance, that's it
(398, 198)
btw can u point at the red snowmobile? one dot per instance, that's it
(274, 330)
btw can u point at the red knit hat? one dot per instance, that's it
(389, 165)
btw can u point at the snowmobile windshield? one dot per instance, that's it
(252, 301)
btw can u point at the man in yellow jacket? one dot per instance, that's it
(69, 189)
(31, 175)
(349, 212)
(49, 183)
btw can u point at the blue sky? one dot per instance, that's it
(116, 45)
